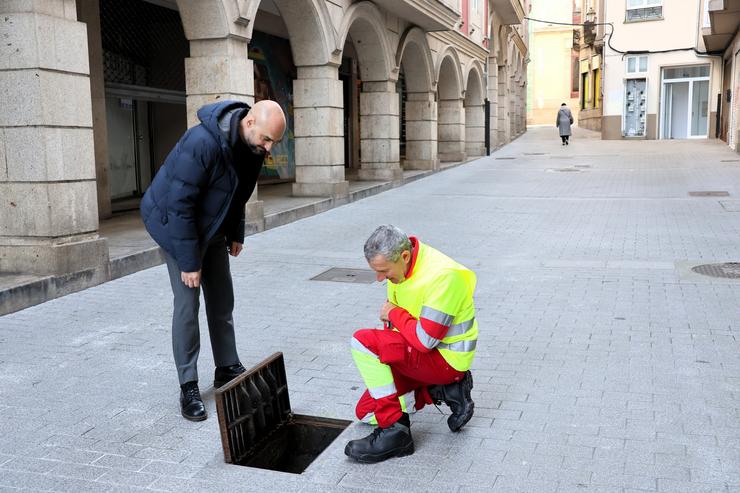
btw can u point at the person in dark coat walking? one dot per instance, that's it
(194, 210)
(563, 121)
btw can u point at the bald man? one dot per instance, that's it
(194, 210)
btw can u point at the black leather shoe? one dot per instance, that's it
(191, 405)
(225, 374)
(457, 396)
(383, 443)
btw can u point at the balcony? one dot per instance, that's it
(430, 15)
(509, 11)
(724, 19)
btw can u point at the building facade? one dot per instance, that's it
(552, 77)
(659, 81)
(94, 94)
(719, 29)
(590, 39)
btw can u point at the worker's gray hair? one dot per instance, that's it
(388, 241)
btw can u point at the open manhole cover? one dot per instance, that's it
(728, 270)
(258, 427)
(710, 193)
(337, 274)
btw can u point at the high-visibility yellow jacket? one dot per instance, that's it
(436, 306)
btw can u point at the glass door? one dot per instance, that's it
(699, 108)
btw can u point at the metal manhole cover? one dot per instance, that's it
(338, 274)
(501, 158)
(728, 270)
(709, 194)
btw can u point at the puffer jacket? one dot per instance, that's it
(190, 195)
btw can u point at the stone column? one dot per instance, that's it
(511, 95)
(319, 133)
(451, 127)
(421, 131)
(88, 11)
(220, 69)
(493, 101)
(48, 193)
(503, 106)
(475, 130)
(379, 132)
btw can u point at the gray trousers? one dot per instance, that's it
(218, 293)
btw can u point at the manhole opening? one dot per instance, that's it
(710, 193)
(727, 270)
(337, 274)
(258, 427)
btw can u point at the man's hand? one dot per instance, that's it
(235, 249)
(387, 307)
(190, 279)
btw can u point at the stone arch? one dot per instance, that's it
(420, 77)
(450, 111)
(418, 104)
(365, 25)
(448, 75)
(475, 125)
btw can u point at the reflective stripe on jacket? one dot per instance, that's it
(439, 296)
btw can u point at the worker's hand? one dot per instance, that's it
(235, 249)
(387, 307)
(190, 279)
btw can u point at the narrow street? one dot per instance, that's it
(604, 363)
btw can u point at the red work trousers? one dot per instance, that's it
(412, 370)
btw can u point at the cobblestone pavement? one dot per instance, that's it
(604, 364)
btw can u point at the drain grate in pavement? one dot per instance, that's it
(338, 274)
(709, 193)
(581, 165)
(535, 153)
(727, 270)
(502, 158)
(730, 161)
(563, 170)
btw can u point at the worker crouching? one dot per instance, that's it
(425, 352)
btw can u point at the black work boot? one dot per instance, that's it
(383, 443)
(225, 374)
(191, 405)
(457, 396)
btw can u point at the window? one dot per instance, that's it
(644, 10)
(690, 71)
(637, 64)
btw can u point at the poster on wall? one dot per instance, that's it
(273, 79)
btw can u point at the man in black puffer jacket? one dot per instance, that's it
(194, 210)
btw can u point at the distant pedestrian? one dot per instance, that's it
(194, 210)
(563, 122)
